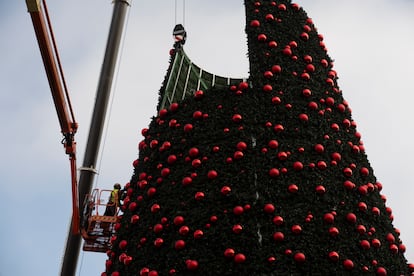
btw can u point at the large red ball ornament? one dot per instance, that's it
(267, 88)
(272, 44)
(191, 265)
(274, 172)
(278, 220)
(269, 208)
(376, 243)
(296, 229)
(293, 188)
(365, 244)
(329, 218)
(212, 174)
(239, 258)
(273, 144)
(333, 256)
(123, 244)
(237, 118)
(276, 69)
(299, 257)
(198, 234)
(229, 253)
(255, 23)
(297, 166)
(180, 244)
(348, 264)
(237, 229)
(238, 210)
(333, 231)
(262, 37)
(351, 218)
(278, 236)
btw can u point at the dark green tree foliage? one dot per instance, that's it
(267, 177)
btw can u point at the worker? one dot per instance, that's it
(113, 202)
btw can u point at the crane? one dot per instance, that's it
(80, 189)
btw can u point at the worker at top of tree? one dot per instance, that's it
(114, 200)
(180, 35)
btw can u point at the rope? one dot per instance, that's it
(176, 12)
(55, 49)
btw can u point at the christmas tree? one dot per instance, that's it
(266, 176)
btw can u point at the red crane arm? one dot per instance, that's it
(58, 88)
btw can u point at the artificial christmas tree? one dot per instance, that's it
(266, 176)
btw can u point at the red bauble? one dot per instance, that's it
(122, 244)
(238, 210)
(255, 23)
(269, 208)
(180, 244)
(134, 219)
(278, 236)
(297, 166)
(212, 174)
(191, 264)
(239, 258)
(262, 37)
(276, 69)
(229, 253)
(348, 264)
(278, 220)
(365, 244)
(299, 257)
(329, 218)
(351, 217)
(333, 256)
(274, 172)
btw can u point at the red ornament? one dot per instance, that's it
(299, 257)
(212, 174)
(274, 172)
(365, 244)
(329, 218)
(278, 220)
(293, 188)
(237, 229)
(333, 231)
(229, 253)
(262, 37)
(333, 256)
(276, 69)
(238, 210)
(269, 208)
(296, 229)
(348, 264)
(351, 217)
(178, 220)
(278, 236)
(180, 244)
(273, 144)
(225, 190)
(297, 166)
(320, 189)
(191, 265)
(255, 23)
(239, 258)
(123, 244)
(267, 88)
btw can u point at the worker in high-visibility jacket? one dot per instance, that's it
(114, 201)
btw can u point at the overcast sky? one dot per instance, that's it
(371, 42)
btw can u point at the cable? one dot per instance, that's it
(176, 12)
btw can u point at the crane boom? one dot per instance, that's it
(54, 72)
